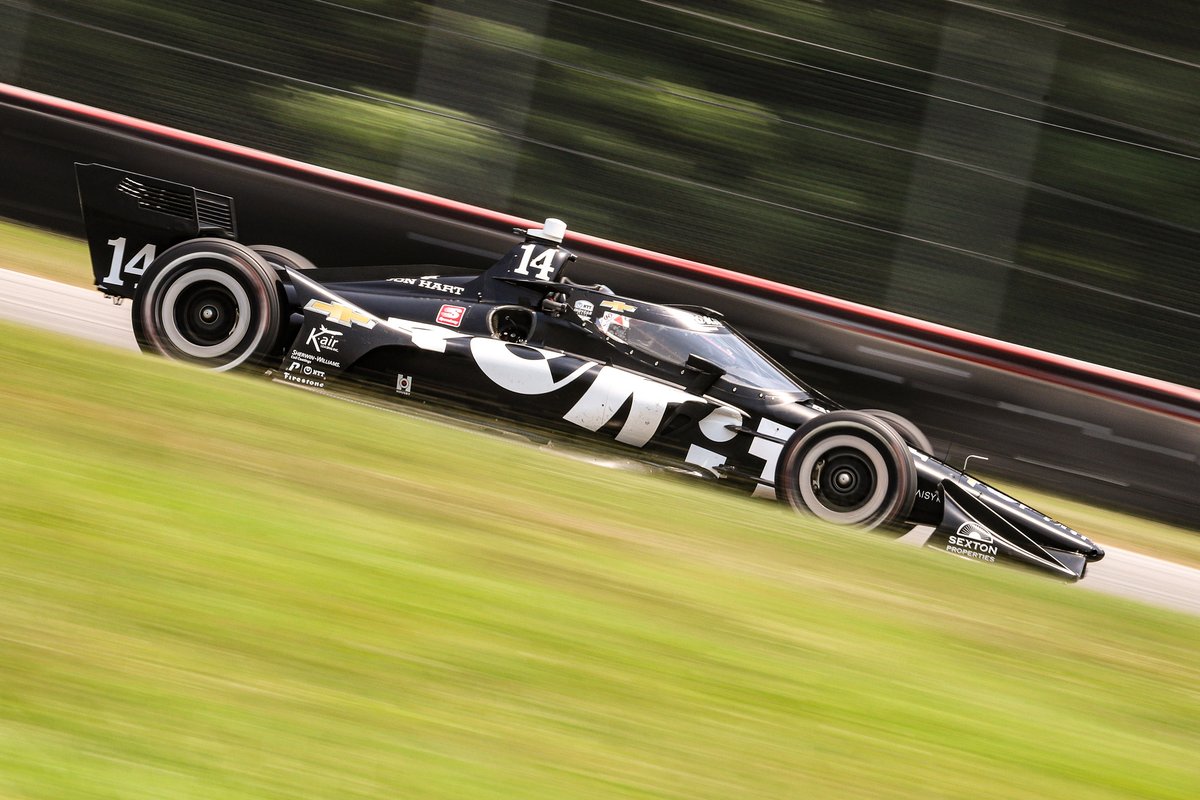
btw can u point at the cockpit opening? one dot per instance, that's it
(511, 323)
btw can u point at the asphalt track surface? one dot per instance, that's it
(88, 315)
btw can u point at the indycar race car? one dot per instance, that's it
(525, 342)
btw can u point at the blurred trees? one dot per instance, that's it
(787, 139)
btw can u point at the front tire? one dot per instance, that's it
(848, 468)
(914, 436)
(209, 302)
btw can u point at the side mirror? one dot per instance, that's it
(706, 374)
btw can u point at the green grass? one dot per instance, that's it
(212, 586)
(49, 255)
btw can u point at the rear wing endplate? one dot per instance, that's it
(130, 218)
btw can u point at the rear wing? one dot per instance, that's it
(131, 218)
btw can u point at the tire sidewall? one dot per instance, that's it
(282, 258)
(251, 284)
(876, 443)
(908, 430)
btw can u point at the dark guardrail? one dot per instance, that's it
(1102, 434)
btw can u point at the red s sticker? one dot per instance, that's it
(451, 315)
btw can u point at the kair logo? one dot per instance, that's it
(324, 339)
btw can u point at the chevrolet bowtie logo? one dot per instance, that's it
(619, 307)
(341, 314)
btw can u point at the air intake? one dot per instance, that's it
(157, 198)
(215, 211)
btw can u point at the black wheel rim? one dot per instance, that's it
(843, 480)
(206, 313)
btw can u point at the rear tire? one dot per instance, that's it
(281, 257)
(848, 468)
(209, 302)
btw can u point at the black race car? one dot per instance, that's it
(522, 339)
